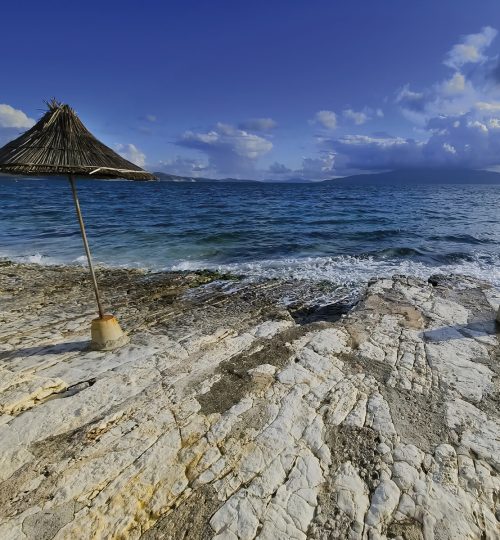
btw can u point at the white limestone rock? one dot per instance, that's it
(475, 430)
(383, 503)
(322, 440)
(352, 495)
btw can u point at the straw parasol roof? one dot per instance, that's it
(59, 144)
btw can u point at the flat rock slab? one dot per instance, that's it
(246, 410)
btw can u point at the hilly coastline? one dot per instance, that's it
(395, 177)
(421, 176)
(166, 177)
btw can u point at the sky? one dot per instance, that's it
(272, 89)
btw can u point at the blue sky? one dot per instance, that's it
(264, 89)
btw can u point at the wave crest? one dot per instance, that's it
(348, 270)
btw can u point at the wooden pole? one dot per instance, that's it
(86, 245)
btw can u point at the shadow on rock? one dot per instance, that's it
(59, 348)
(460, 331)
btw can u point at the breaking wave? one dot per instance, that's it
(352, 270)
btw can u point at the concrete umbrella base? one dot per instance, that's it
(107, 334)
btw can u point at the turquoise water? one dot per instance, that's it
(345, 234)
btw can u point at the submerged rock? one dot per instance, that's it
(229, 416)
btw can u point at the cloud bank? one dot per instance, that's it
(132, 153)
(230, 151)
(327, 119)
(471, 48)
(361, 117)
(14, 118)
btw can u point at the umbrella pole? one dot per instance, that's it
(86, 245)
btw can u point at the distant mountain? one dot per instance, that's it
(294, 180)
(421, 176)
(165, 177)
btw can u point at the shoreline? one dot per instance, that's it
(353, 271)
(245, 409)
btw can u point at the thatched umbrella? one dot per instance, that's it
(60, 145)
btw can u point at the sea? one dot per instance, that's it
(344, 234)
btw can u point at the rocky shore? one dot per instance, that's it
(246, 410)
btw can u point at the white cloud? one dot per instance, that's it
(455, 85)
(412, 104)
(461, 93)
(319, 168)
(229, 150)
(471, 48)
(151, 118)
(184, 166)
(131, 153)
(14, 118)
(279, 168)
(492, 107)
(328, 119)
(258, 124)
(449, 148)
(365, 140)
(409, 97)
(494, 123)
(357, 117)
(225, 136)
(452, 96)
